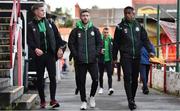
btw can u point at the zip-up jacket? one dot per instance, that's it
(129, 39)
(101, 57)
(53, 37)
(85, 43)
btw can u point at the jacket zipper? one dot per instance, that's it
(132, 40)
(86, 45)
(45, 42)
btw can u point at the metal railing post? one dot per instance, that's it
(165, 87)
(158, 29)
(178, 35)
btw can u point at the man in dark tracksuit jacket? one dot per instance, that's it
(46, 47)
(105, 61)
(129, 38)
(85, 45)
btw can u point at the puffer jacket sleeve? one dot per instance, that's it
(116, 42)
(98, 42)
(59, 42)
(145, 40)
(30, 37)
(72, 44)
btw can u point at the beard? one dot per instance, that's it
(85, 21)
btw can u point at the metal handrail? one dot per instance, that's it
(172, 61)
(173, 43)
(13, 24)
(15, 40)
(12, 30)
(165, 66)
(169, 44)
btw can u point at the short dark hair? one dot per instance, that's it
(106, 28)
(129, 8)
(84, 11)
(36, 6)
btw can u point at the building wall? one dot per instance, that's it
(102, 17)
(106, 17)
(77, 11)
(65, 33)
(172, 81)
(157, 79)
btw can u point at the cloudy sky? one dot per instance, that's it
(88, 3)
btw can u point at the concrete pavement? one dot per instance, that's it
(70, 102)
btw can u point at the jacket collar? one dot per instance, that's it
(80, 25)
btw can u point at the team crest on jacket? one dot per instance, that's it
(34, 29)
(79, 35)
(137, 29)
(50, 25)
(92, 33)
(125, 31)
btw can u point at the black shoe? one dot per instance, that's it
(135, 106)
(146, 91)
(132, 105)
(111, 91)
(76, 91)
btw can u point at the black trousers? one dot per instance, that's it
(131, 71)
(48, 61)
(108, 67)
(118, 71)
(82, 71)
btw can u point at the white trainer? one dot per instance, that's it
(92, 102)
(83, 106)
(111, 91)
(101, 90)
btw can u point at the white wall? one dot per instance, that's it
(172, 81)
